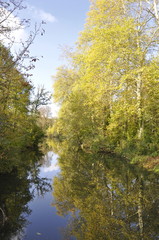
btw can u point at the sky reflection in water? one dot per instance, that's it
(45, 224)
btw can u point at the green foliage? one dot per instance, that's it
(109, 95)
(104, 195)
(18, 125)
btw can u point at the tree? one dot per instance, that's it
(116, 64)
(106, 196)
(10, 27)
(18, 124)
(41, 98)
(45, 119)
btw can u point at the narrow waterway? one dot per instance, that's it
(98, 196)
(45, 224)
(26, 200)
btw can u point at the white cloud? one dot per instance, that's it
(51, 162)
(41, 14)
(17, 31)
(53, 167)
(48, 17)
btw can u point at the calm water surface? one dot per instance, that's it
(98, 197)
(45, 224)
(26, 211)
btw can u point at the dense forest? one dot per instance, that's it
(108, 91)
(19, 104)
(106, 133)
(19, 129)
(21, 124)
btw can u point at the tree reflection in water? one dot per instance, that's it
(17, 188)
(108, 198)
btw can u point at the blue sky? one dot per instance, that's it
(64, 20)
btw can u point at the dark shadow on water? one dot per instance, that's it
(100, 196)
(17, 188)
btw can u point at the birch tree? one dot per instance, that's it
(116, 62)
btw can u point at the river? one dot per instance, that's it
(44, 221)
(26, 211)
(92, 197)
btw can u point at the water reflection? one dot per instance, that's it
(17, 188)
(107, 197)
(45, 223)
(50, 163)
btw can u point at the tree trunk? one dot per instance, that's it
(140, 209)
(139, 107)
